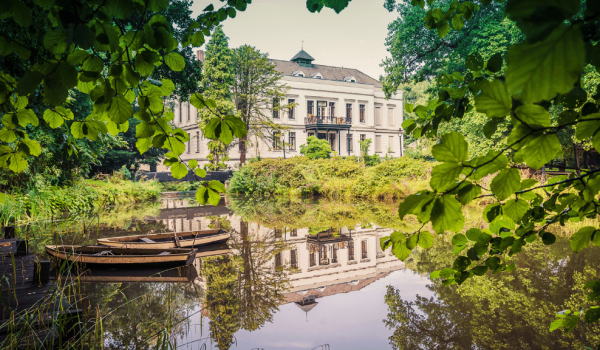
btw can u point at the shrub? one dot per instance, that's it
(316, 148)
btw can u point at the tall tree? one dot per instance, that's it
(255, 87)
(216, 84)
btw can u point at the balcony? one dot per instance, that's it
(313, 121)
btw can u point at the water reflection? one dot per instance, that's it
(303, 273)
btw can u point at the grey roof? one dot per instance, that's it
(328, 72)
(303, 54)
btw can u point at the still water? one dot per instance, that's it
(310, 274)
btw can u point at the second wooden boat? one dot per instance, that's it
(103, 255)
(167, 240)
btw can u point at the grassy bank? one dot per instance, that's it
(335, 178)
(43, 202)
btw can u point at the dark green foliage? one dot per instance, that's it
(316, 148)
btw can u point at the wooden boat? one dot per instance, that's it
(103, 255)
(167, 240)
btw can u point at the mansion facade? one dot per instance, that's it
(337, 104)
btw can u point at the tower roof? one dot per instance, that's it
(303, 55)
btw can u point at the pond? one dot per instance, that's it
(310, 274)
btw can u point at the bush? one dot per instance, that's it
(335, 177)
(316, 148)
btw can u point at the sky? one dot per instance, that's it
(355, 38)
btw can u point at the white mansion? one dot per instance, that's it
(341, 105)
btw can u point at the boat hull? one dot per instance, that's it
(167, 240)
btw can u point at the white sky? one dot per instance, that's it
(354, 39)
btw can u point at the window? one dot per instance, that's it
(180, 113)
(294, 258)
(323, 258)
(313, 261)
(291, 109)
(189, 112)
(363, 249)
(310, 107)
(332, 142)
(390, 117)
(276, 141)
(349, 111)
(332, 109)
(311, 134)
(362, 113)
(278, 260)
(350, 251)
(349, 143)
(278, 233)
(363, 137)
(276, 108)
(292, 141)
(334, 255)
(377, 116)
(378, 143)
(294, 232)
(321, 108)
(197, 141)
(189, 147)
(391, 144)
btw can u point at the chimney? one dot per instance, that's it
(200, 56)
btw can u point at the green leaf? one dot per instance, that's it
(492, 262)
(592, 315)
(408, 107)
(54, 119)
(494, 64)
(193, 163)
(479, 270)
(7, 135)
(55, 92)
(201, 173)
(452, 148)
(582, 238)
(446, 215)
(457, 22)
(217, 186)
(506, 183)
(515, 209)
(459, 240)
(143, 144)
(93, 64)
(175, 61)
(33, 146)
(120, 110)
(540, 71)
(412, 241)
(29, 83)
(488, 164)
(468, 192)
(461, 263)
(548, 238)
(425, 240)
(541, 149)
(385, 242)
(444, 175)
(418, 204)
(16, 163)
(400, 250)
(179, 170)
(494, 99)
(56, 41)
(443, 29)
(533, 115)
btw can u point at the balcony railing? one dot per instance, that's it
(331, 120)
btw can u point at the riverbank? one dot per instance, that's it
(335, 178)
(85, 195)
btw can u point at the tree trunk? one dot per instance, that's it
(243, 149)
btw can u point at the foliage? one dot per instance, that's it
(316, 148)
(100, 50)
(217, 84)
(256, 84)
(542, 73)
(336, 177)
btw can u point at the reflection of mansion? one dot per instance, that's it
(337, 104)
(335, 261)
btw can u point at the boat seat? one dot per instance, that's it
(105, 252)
(147, 240)
(165, 253)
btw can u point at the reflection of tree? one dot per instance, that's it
(222, 303)
(260, 286)
(497, 311)
(133, 314)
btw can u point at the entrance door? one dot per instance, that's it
(332, 141)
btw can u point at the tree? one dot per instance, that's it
(316, 148)
(538, 75)
(216, 83)
(256, 85)
(95, 48)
